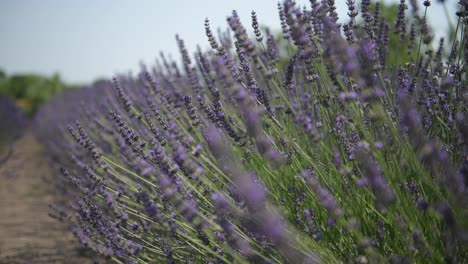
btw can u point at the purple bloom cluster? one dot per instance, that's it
(311, 149)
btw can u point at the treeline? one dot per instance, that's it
(30, 90)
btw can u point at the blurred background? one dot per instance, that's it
(51, 45)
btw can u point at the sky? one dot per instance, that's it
(86, 40)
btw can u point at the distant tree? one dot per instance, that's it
(30, 90)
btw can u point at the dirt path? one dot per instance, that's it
(27, 233)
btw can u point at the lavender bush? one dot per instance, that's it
(11, 126)
(230, 158)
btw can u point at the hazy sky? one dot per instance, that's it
(84, 40)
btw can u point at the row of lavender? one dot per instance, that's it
(232, 158)
(12, 123)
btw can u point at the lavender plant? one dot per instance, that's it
(229, 158)
(11, 126)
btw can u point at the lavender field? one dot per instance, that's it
(317, 140)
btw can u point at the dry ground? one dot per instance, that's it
(27, 233)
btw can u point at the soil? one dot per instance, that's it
(27, 233)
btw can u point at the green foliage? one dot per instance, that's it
(30, 90)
